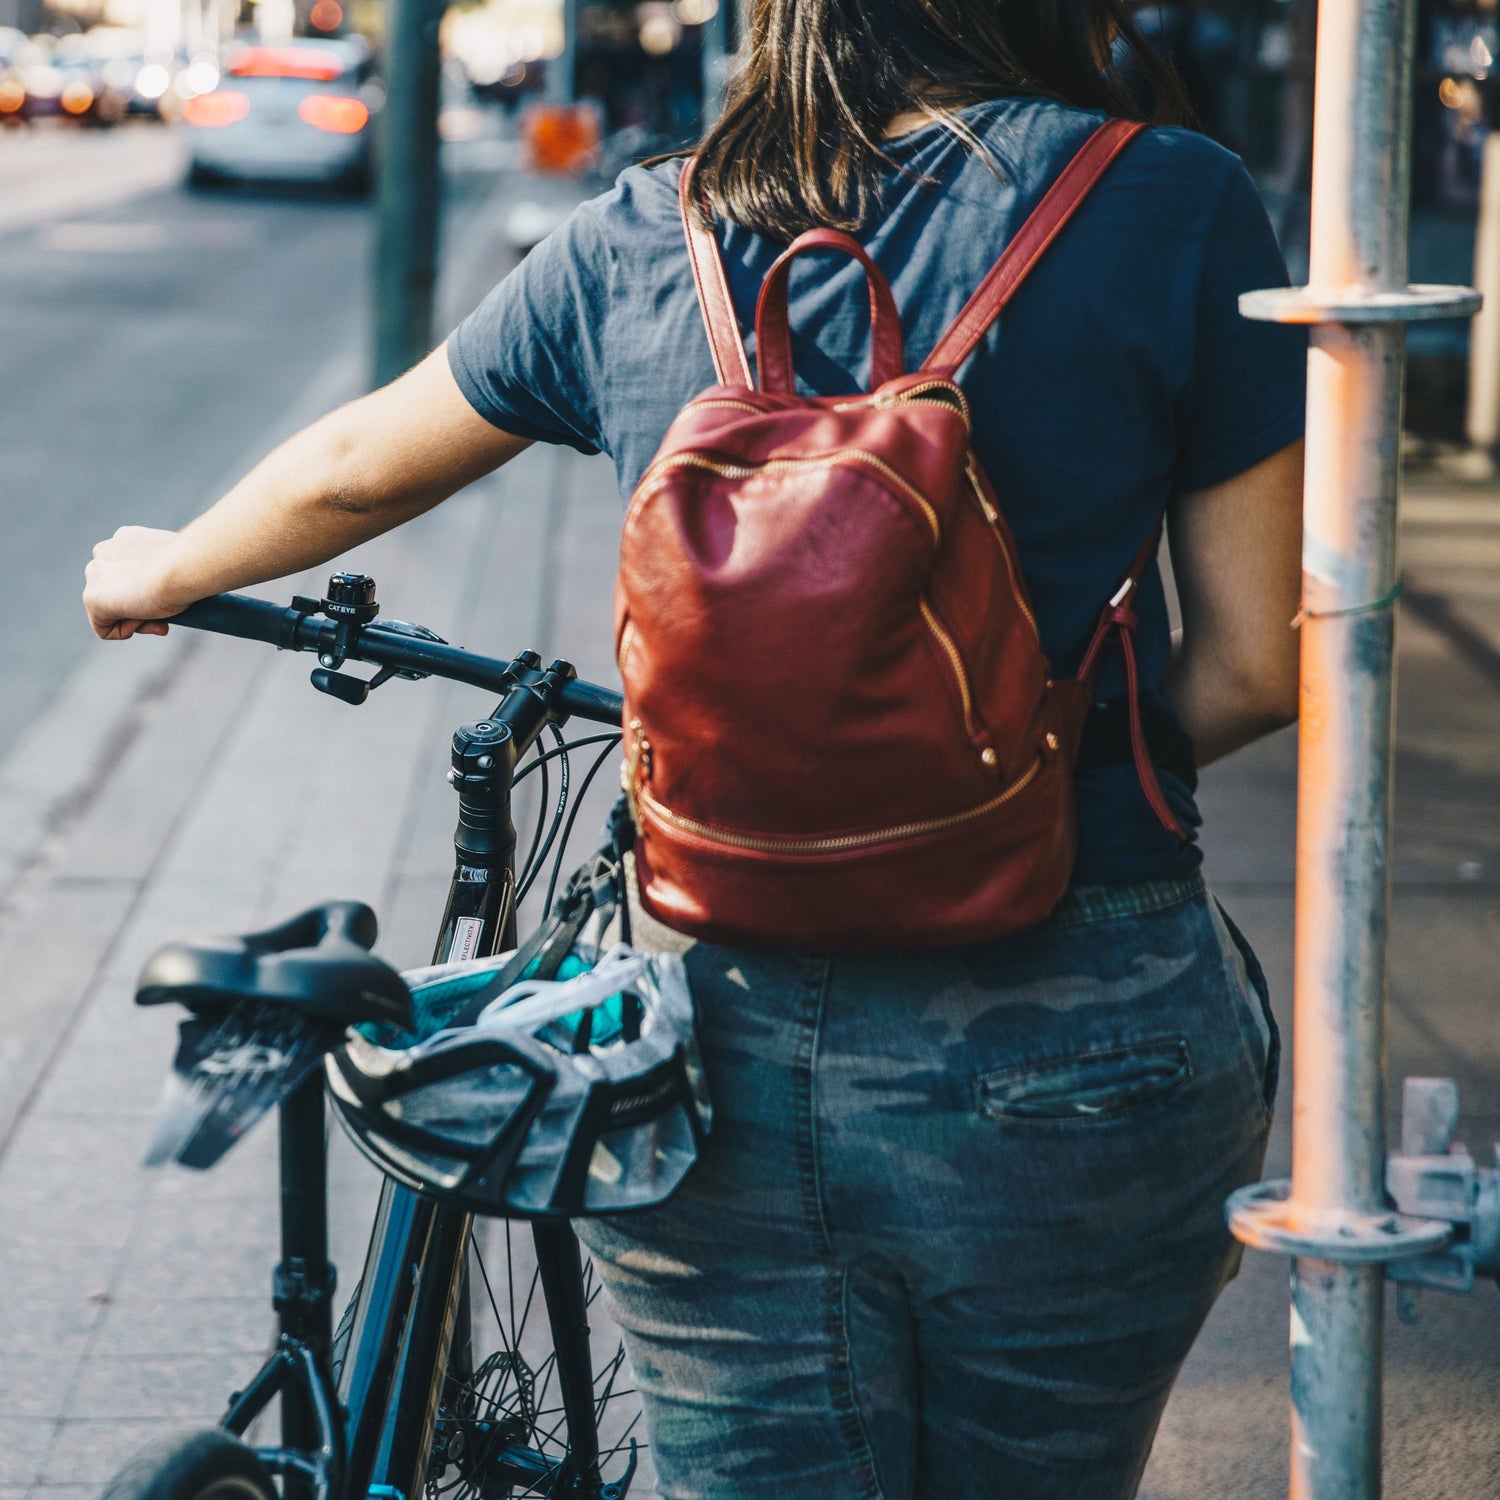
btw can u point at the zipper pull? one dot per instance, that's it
(990, 513)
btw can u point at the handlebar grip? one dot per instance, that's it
(583, 700)
(237, 615)
(276, 625)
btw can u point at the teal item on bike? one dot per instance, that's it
(569, 1097)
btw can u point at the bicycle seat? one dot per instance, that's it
(317, 965)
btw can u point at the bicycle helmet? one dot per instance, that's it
(575, 1096)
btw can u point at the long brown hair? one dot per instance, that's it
(799, 142)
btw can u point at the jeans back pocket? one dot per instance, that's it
(1085, 1087)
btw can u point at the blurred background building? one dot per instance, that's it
(1248, 68)
(651, 68)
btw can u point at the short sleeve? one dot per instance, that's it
(1246, 398)
(528, 357)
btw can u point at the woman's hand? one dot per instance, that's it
(127, 590)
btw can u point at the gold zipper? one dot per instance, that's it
(627, 636)
(722, 401)
(642, 799)
(993, 517)
(916, 394)
(630, 772)
(827, 461)
(914, 397)
(950, 649)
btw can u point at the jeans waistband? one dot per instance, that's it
(1099, 903)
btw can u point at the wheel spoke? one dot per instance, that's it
(516, 1386)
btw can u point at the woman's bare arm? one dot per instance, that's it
(1237, 558)
(355, 473)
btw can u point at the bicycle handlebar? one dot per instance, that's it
(402, 648)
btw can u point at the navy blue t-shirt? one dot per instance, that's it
(1120, 376)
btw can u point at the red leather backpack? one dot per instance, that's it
(841, 730)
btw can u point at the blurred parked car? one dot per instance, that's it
(31, 84)
(294, 113)
(60, 76)
(95, 89)
(149, 81)
(12, 86)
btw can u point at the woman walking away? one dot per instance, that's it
(912, 748)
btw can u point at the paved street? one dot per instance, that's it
(158, 342)
(193, 784)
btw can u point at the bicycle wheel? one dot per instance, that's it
(193, 1466)
(507, 1414)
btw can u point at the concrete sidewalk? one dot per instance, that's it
(133, 1302)
(1226, 1430)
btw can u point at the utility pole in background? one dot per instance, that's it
(408, 189)
(562, 70)
(721, 36)
(1334, 1218)
(1483, 417)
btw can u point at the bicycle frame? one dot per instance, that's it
(374, 1436)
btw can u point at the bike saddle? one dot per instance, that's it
(318, 965)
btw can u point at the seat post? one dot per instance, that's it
(304, 1281)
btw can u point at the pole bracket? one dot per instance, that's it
(1443, 1226)
(1311, 304)
(1265, 1216)
(1433, 1175)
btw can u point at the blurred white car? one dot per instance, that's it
(302, 112)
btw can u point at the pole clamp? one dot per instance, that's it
(1436, 1177)
(1441, 1230)
(1265, 1216)
(1355, 305)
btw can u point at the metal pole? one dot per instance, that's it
(1360, 193)
(408, 190)
(720, 38)
(562, 70)
(1483, 424)
(1332, 1218)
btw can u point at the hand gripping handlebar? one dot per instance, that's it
(339, 632)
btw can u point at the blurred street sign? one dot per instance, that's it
(560, 138)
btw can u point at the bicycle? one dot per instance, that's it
(393, 1404)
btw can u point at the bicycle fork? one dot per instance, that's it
(412, 1316)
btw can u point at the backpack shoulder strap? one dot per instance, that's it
(730, 363)
(1023, 252)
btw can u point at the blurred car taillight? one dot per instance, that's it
(12, 95)
(336, 112)
(76, 98)
(222, 107)
(286, 62)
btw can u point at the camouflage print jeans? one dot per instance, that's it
(961, 1215)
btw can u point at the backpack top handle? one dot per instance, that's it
(773, 334)
(955, 346)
